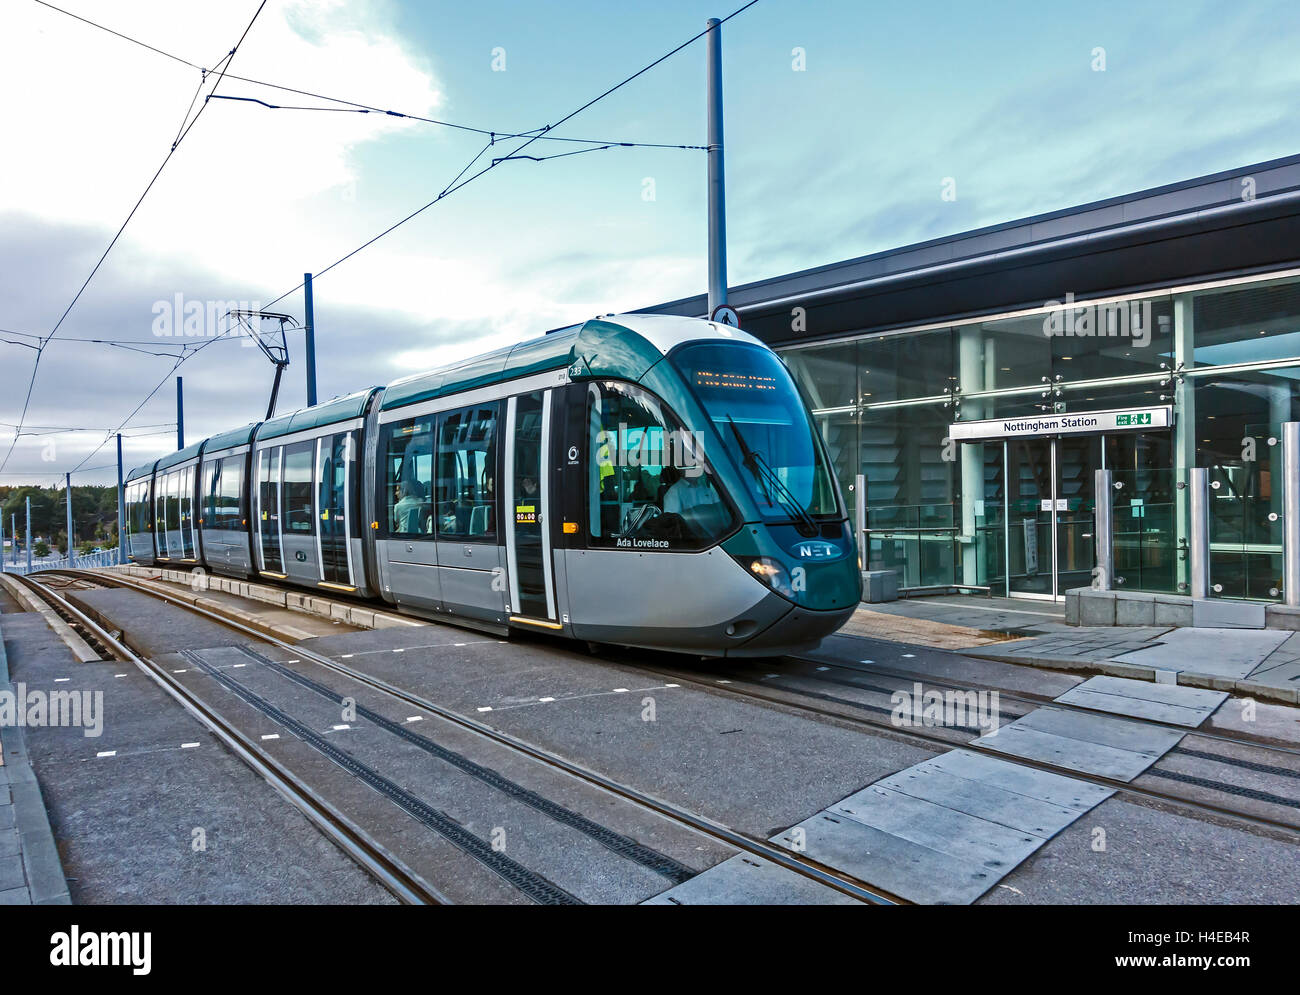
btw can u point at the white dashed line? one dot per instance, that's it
(189, 746)
(485, 708)
(823, 668)
(272, 735)
(341, 728)
(724, 682)
(460, 644)
(238, 665)
(415, 718)
(545, 699)
(346, 656)
(399, 651)
(866, 661)
(180, 671)
(106, 753)
(119, 675)
(672, 685)
(62, 680)
(909, 656)
(620, 690)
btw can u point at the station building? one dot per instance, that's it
(977, 381)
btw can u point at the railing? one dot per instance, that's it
(87, 561)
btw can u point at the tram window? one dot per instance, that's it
(211, 487)
(648, 485)
(223, 495)
(466, 498)
(230, 497)
(408, 476)
(298, 460)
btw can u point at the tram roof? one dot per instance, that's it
(617, 345)
(340, 409)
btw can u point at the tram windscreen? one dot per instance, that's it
(752, 401)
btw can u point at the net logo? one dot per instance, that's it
(817, 550)
(93, 949)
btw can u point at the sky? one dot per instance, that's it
(844, 121)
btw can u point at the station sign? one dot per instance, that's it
(1065, 423)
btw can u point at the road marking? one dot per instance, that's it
(823, 668)
(119, 675)
(106, 753)
(189, 746)
(238, 665)
(341, 728)
(415, 718)
(545, 699)
(866, 661)
(620, 690)
(346, 656)
(180, 671)
(724, 682)
(485, 708)
(672, 685)
(399, 651)
(909, 656)
(272, 735)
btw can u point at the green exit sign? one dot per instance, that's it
(1141, 418)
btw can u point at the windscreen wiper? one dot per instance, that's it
(768, 478)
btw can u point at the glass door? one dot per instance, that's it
(528, 547)
(1031, 511)
(1078, 457)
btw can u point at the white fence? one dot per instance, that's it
(89, 561)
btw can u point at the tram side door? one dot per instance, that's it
(528, 505)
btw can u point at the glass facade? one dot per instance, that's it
(1015, 515)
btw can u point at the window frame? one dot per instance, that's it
(626, 388)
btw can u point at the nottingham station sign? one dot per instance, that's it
(1073, 423)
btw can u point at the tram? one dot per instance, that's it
(638, 480)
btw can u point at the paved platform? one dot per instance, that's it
(1263, 664)
(30, 870)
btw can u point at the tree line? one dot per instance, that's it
(94, 516)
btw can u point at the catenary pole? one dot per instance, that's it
(717, 173)
(121, 507)
(309, 325)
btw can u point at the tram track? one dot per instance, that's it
(790, 860)
(403, 882)
(800, 700)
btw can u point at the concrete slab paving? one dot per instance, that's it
(1230, 653)
(943, 831)
(889, 862)
(1100, 730)
(1091, 744)
(938, 827)
(1054, 789)
(750, 880)
(1168, 703)
(984, 799)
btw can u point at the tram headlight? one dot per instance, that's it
(771, 573)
